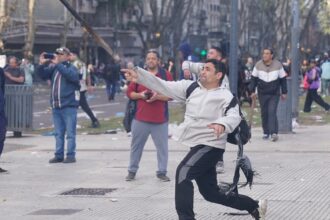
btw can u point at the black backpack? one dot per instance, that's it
(243, 129)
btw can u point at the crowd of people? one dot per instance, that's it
(151, 86)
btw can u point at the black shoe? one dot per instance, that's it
(69, 160)
(95, 124)
(163, 178)
(130, 176)
(3, 170)
(56, 160)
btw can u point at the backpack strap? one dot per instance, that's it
(232, 104)
(191, 88)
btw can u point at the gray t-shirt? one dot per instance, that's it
(16, 72)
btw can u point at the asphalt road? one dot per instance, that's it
(102, 108)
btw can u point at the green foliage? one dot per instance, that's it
(324, 16)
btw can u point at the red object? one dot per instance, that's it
(154, 112)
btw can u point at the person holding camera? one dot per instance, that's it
(64, 100)
(151, 118)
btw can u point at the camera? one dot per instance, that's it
(148, 94)
(49, 56)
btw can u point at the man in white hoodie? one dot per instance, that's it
(204, 130)
(190, 68)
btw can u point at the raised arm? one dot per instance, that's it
(174, 90)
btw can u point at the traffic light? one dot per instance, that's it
(203, 53)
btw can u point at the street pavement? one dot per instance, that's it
(294, 175)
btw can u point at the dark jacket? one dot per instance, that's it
(64, 84)
(2, 92)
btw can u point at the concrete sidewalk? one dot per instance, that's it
(294, 177)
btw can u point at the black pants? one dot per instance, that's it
(199, 165)
(311, 96)
(268, 106)
(3, 124)
(85, 107)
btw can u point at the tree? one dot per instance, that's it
(28, 48)
(324, 17)
(160, 23)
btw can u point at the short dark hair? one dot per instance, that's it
(219, 67)
(153, 51)
(270, 49)
(217, 49)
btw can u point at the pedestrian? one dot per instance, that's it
(28, 69)
(189, 67)
(15, 76)
(325, 77)
(85, 85)
(204, 130)
(269, 78)
(151, 118)
(313, 81)
(64, 101)
(3, 121)
(111, 77)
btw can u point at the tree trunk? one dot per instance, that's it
(31, 30)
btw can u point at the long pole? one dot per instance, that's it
(233, 59)
(295, 34)
(99, 40)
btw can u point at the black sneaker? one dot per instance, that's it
(69, 160)
(163, 178)
(95, 124)
(130, 176)
(3, 170)
(56, 160)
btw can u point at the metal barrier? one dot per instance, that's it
(284, 111)
(19, 107)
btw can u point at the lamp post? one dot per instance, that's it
(233, 59)
(295, 34)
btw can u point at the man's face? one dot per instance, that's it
(213, 54)
(62, 57)
(208, 75)
(152, 61)
(267, 55)
(13, 63)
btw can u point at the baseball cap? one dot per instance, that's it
(62, 50)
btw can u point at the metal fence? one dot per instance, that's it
(19, 107)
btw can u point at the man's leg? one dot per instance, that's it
(263, 100)
(272, 116)
(85, 107)
(59, 128)
(113, 90)
(140, 133)
(159, 134)
(199, 160)
(70, 117)
(2, 132)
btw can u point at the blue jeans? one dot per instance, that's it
(65, 120)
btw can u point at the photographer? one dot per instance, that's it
(64, 100)
(151, 118)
